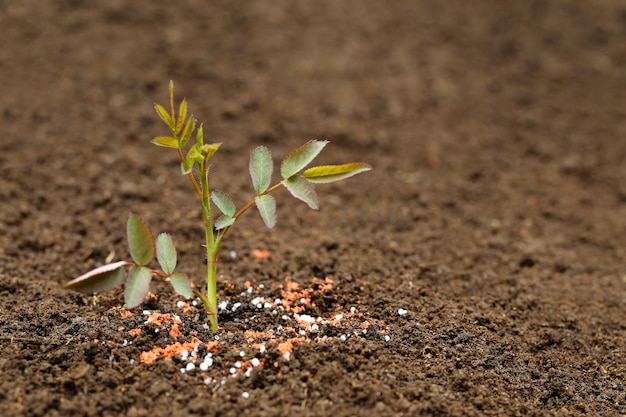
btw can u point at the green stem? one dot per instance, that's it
(211, 295)
(190, 175)
(210, 302)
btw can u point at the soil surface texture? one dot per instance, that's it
(478, 270)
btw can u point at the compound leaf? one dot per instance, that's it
(267, 208)
(105, 277)
(137, 285)
(332, 173)
(303, 190)
(261, 167)
(224, 203)
(167, 142)
(165, 116)
(166, 253)
(140, 240)
(181, 285)
(301, 157)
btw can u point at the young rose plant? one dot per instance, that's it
(195, 159)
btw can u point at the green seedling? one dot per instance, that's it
(195, 159)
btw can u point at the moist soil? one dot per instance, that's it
(478, 269)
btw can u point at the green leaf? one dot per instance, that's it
(137, 285)
(261, 167)
(332, 173)
(166, 253)
(140, 240)
(200, 136)
(209, 150)
(165, 116)
(186, 166)
(189, 127)
(267, 208)
(181, 285)
(194, 154)
(167, 142)
(224, 221)
(224, 203)
(303, 190)
(301, 157)
(182, 115)
(103, 278)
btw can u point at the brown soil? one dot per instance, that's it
(495, 215)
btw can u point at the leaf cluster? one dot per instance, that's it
(137, 274)
(298, 182)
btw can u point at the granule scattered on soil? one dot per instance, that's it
(285, 321)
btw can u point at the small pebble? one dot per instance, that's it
(208, 361)
(306, 318)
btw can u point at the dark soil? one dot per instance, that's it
(495, 215)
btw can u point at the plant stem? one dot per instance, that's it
(210, 302)
(190, 175)
(211, 296)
